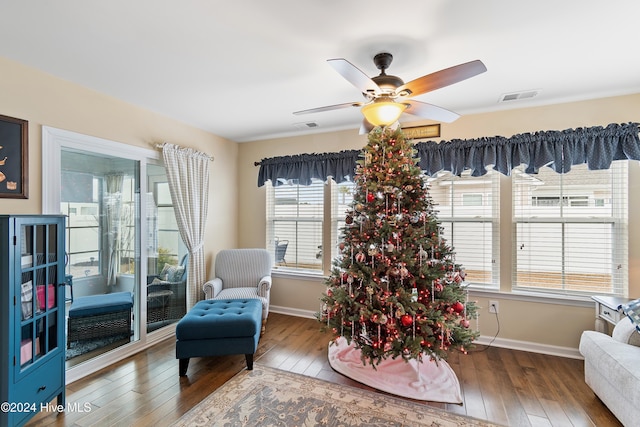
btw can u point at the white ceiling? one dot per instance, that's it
(240, 68)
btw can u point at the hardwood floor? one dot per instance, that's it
(508, 387)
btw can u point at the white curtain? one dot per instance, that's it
(113, 208)
(188, 177)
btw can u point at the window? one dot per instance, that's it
(568, 232)
(468, 209)
(127, 227)
(164, 241)
(341, 201)
(571, 230)
(79, 197)
(294, 224)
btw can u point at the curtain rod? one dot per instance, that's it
(161, 145)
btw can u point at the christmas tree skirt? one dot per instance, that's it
(426, 380)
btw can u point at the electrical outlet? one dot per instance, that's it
(494, 307)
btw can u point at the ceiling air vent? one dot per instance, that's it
(306, 125)
(516, 96)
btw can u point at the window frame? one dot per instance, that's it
(293, 250)
(619, 225)
(492, 201)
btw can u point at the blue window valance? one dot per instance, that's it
(303, 167)
(596, 146)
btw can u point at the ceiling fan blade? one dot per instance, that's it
(354, 76)
(330, 107)
(428, 111)
(365, 127)
(441, 78)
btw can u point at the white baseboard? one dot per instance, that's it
(292, 311)
(532, 347)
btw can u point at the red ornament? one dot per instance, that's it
(406, 320)
(464, 323)
(458, 307)
(370, 197)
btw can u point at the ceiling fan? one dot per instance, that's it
(390, 91)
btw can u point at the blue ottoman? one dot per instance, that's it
(217, 328)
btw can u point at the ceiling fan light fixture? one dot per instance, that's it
(383, 113)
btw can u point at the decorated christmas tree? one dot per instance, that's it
(395, 289)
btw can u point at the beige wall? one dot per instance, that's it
(237, 206)
(523, 320)
(44, 100)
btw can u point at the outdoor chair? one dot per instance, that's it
(281, 250)
(166, 293)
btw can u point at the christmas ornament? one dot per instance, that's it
(458, 307)
(406, 320)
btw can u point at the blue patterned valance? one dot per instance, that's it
(341, 166)
(596, 146)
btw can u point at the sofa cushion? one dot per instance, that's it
(632, 310)
(173, 272)
(626, 332)
(94, 305)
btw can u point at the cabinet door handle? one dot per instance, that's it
(607, 313)
(42, 387)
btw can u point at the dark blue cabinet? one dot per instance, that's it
(32, 314)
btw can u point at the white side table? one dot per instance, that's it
(607, 311)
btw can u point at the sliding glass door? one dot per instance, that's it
(167, 260)
(122, 237)
(100, 196)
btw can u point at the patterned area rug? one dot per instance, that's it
(271, 397)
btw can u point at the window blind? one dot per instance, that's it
(571, 230)
(468, 210)
(341, 202)
(294, 224)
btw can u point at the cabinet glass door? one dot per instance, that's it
(38, 291)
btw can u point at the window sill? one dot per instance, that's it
(536, 297)
(307, 275)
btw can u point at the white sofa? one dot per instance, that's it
(612, 369)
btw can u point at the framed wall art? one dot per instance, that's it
(14, 158)
(421, 132)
